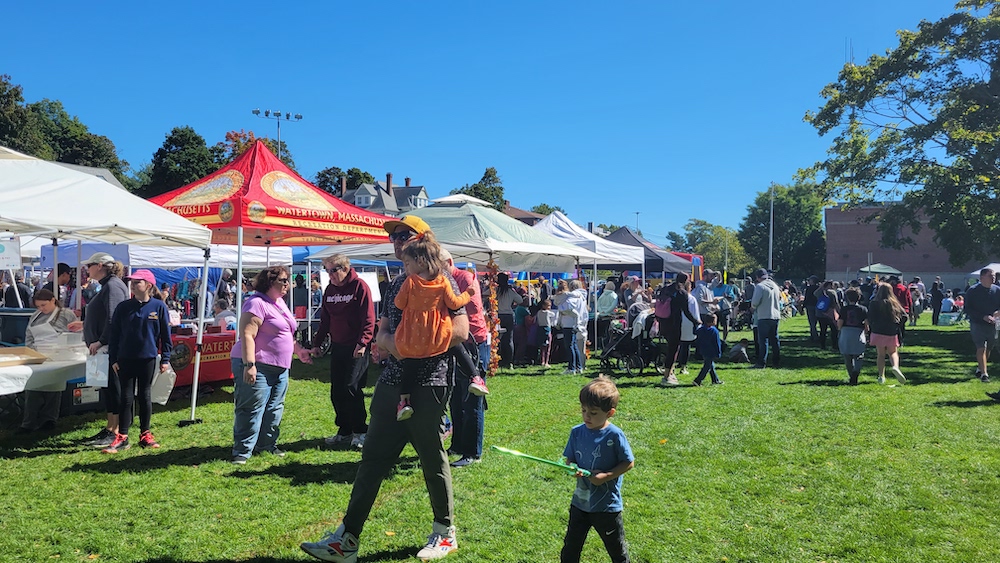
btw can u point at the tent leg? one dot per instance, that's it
(202, 299)
(238, 306)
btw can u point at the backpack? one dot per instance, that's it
(823, 303)
(663, 299)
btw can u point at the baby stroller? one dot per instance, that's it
(633, 354)
(743, 319)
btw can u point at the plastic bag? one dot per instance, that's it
(97, 370)
(163, 384)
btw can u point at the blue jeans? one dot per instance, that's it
(468, 412)
(767, 330)
(572, 350)
(258, 409)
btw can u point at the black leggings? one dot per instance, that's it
(131, 372)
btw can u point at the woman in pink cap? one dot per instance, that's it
(139, 328)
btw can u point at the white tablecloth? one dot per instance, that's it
(49, 376)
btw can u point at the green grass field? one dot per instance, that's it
(774, 466)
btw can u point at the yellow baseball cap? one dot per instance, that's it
(412, 222)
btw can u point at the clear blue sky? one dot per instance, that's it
(678, 110)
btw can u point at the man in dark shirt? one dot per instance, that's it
(809, 301)
(18, 289)
(63, 276)
(982, 302)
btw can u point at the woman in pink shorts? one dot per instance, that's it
(885, 315)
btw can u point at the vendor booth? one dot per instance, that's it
(656, 259)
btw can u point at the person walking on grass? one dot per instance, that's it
(601, 448)
(885, 319)
(139, 327)
(766, 304)
(853, 324)
(827, 313)
(982, 303)
(710, 347)
(387, 437)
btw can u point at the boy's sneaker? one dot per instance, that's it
(881, 379)
(478, 387)
(440, 543)
(340, 546)
(358, 441)
(338, 440)
(146, 440)
(403, 410)
(102, 439)
(898, 374)
(984, 377)
(994, 396)
(118, 444)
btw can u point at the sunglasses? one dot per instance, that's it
(401, 236)
(283, 281)
(336, 269)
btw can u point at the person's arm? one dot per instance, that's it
(599, 478)
(29, 338)
(166, 344)
(114, 333)
(367, 307)
(403, 297)
(115, 297)
(324, 325)
(453, 301)
(385, 340)
(249, 325)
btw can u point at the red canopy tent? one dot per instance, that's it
(260, 197)
(258, 201)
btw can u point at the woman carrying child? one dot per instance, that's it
(426, 330)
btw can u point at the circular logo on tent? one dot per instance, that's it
(256, 211)
(180, 357)
(283, 187)
(221, 187)
(226, 211)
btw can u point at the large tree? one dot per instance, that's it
(328, 179)
(919, 127)
(799, 241)
(489, 188)
(719, 246)
(69, 140)
(19, 128)
(546, 209)
(183, 158)
(237, 142)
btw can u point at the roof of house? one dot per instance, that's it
(523, 215)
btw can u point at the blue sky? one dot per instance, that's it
(677, 110)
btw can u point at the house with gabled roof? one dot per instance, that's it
(386, 198)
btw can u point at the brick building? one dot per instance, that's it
(849, 239)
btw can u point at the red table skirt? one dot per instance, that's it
(215, 363)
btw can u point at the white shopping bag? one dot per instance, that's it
(163, 384)
(97, 370)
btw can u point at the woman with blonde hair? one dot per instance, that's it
(885, 315)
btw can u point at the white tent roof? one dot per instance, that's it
(42, 198)
(223, 255)
(559, 226)
(460, 199)
(475, 233)
(993, 266)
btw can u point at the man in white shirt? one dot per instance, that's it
(766, 303)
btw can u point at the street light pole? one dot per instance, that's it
(770, 236)
(276, 115)
(636, 222)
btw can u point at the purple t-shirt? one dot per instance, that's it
(274, 341)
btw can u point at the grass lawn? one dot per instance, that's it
(774, 466)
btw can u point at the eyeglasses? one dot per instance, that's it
(401, 236)
(283, 281)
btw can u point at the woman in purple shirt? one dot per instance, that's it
(261, 358)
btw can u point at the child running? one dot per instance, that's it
(710, 347)
(601, 447)
(425, 299)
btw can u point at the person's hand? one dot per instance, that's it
(359, 350)
(114, 366)
(75, 326)
(599, 478)
(249, 374)
(163, 367)
(94, 348)
(471, 290)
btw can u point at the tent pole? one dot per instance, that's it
(55, 271)
(238, 306)
(309, 302)
(594, 281)
(79, 284)
(202, 299)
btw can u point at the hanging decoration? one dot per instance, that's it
(493, 318)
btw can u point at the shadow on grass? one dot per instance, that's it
(965, 404)
(401, 554)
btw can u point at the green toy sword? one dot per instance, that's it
(571, 467)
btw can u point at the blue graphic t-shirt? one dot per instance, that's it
(598, 451)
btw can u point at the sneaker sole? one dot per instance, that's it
(116, 450)
(323, 554)
(899, 375)
(478, 391)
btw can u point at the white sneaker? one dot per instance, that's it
(881, 379)
(339, 547)
(898, 374)
(440, 543)
(337, 439)
(358, 441)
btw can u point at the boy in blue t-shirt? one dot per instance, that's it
(600, 447)
(710, 347)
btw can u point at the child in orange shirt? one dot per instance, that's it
(425, 300)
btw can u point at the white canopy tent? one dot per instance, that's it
(141, 256)
(39, 198)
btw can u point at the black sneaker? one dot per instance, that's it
(100, 440)
(994, 396)
(985, 377)
(465, 461)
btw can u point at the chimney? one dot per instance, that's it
(590, 226)
(388, 183)
(506, 204)
(343, 187)
(407, 180)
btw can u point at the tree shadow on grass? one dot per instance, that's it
(400, 554)
(966, 404)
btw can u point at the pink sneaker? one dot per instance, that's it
(478, 387)
(403, 410)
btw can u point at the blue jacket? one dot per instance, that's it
(708, 342)
(138, 330)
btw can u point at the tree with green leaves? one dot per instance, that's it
(489, 188)
(546, 209)
(237, 142)
(69, 140)
(678, 242)
(919, 128)
(19, 128)
(328, 179)
(799, 240)
(183, 158)
(719, 246)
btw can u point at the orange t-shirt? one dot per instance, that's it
(426, 327)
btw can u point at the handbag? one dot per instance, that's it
(97, 370)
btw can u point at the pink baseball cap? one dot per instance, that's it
(144, 275)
